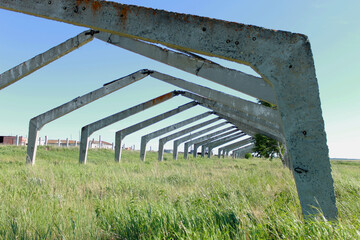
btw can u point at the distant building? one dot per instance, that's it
(62, 143)
(13, 140)
(102, 144)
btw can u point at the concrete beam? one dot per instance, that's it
(89, 129)
(197, 144)
(237, 80)
(120, 135)
(22, 70)
(193, 135)
(189, 143)
(146, 138)
(283, 59)
(249, 109)
(173, 136)
(233, 146)
(231, 114)
(39, 121)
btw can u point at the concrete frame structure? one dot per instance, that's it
(283, 59)
(173, 136)
(146, 138)
(240, 153)
(197, 144)
(191, 136)
(89, 129)
(211, 145)
(39, 121)
(189, 143)
(22, 70)
(120, 135)
(228, 148)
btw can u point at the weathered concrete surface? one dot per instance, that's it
(39, 121)
(233, 146)
(246, 83)
(191, 136)
(22, 70)
(248, 109)
(189, 143)
(173, 136)
(284, 59)
(240, 153)
(87, 130)
(146, 138)
(210, 146)
(120, 135)
(230, 114)
(197, 144)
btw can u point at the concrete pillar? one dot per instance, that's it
(222, 141)
(40, 141)
(67, 142)
(41, 120)
(235, 145)
(190, 143)
(193, 135)
(201, 142)
(173, 136)
(100, 141)
(46, 140)
(17, 140)
(59, 143)
(120, 135)
(91, 128)
(146, 138)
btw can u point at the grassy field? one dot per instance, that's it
(183, 199)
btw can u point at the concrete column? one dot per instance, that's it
(222, 141)
(17, 140)
(41, 120)
(39, 140)
(201, 142)
(120, 135)
(146, 138)
(235, 145)
(193, 135)
(91, 128)
(67, 142)
(164, 140)
(190, 143)
(46, 140)
(100, 141)
(59, 143)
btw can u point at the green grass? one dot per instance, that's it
(184, 199)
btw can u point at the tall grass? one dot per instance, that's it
(184, 199)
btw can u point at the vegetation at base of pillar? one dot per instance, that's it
(199, 198)
(267, 147)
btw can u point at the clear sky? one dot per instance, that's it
(333, 28)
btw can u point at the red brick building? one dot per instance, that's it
(11, 140)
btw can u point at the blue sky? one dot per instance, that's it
(333, 28)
